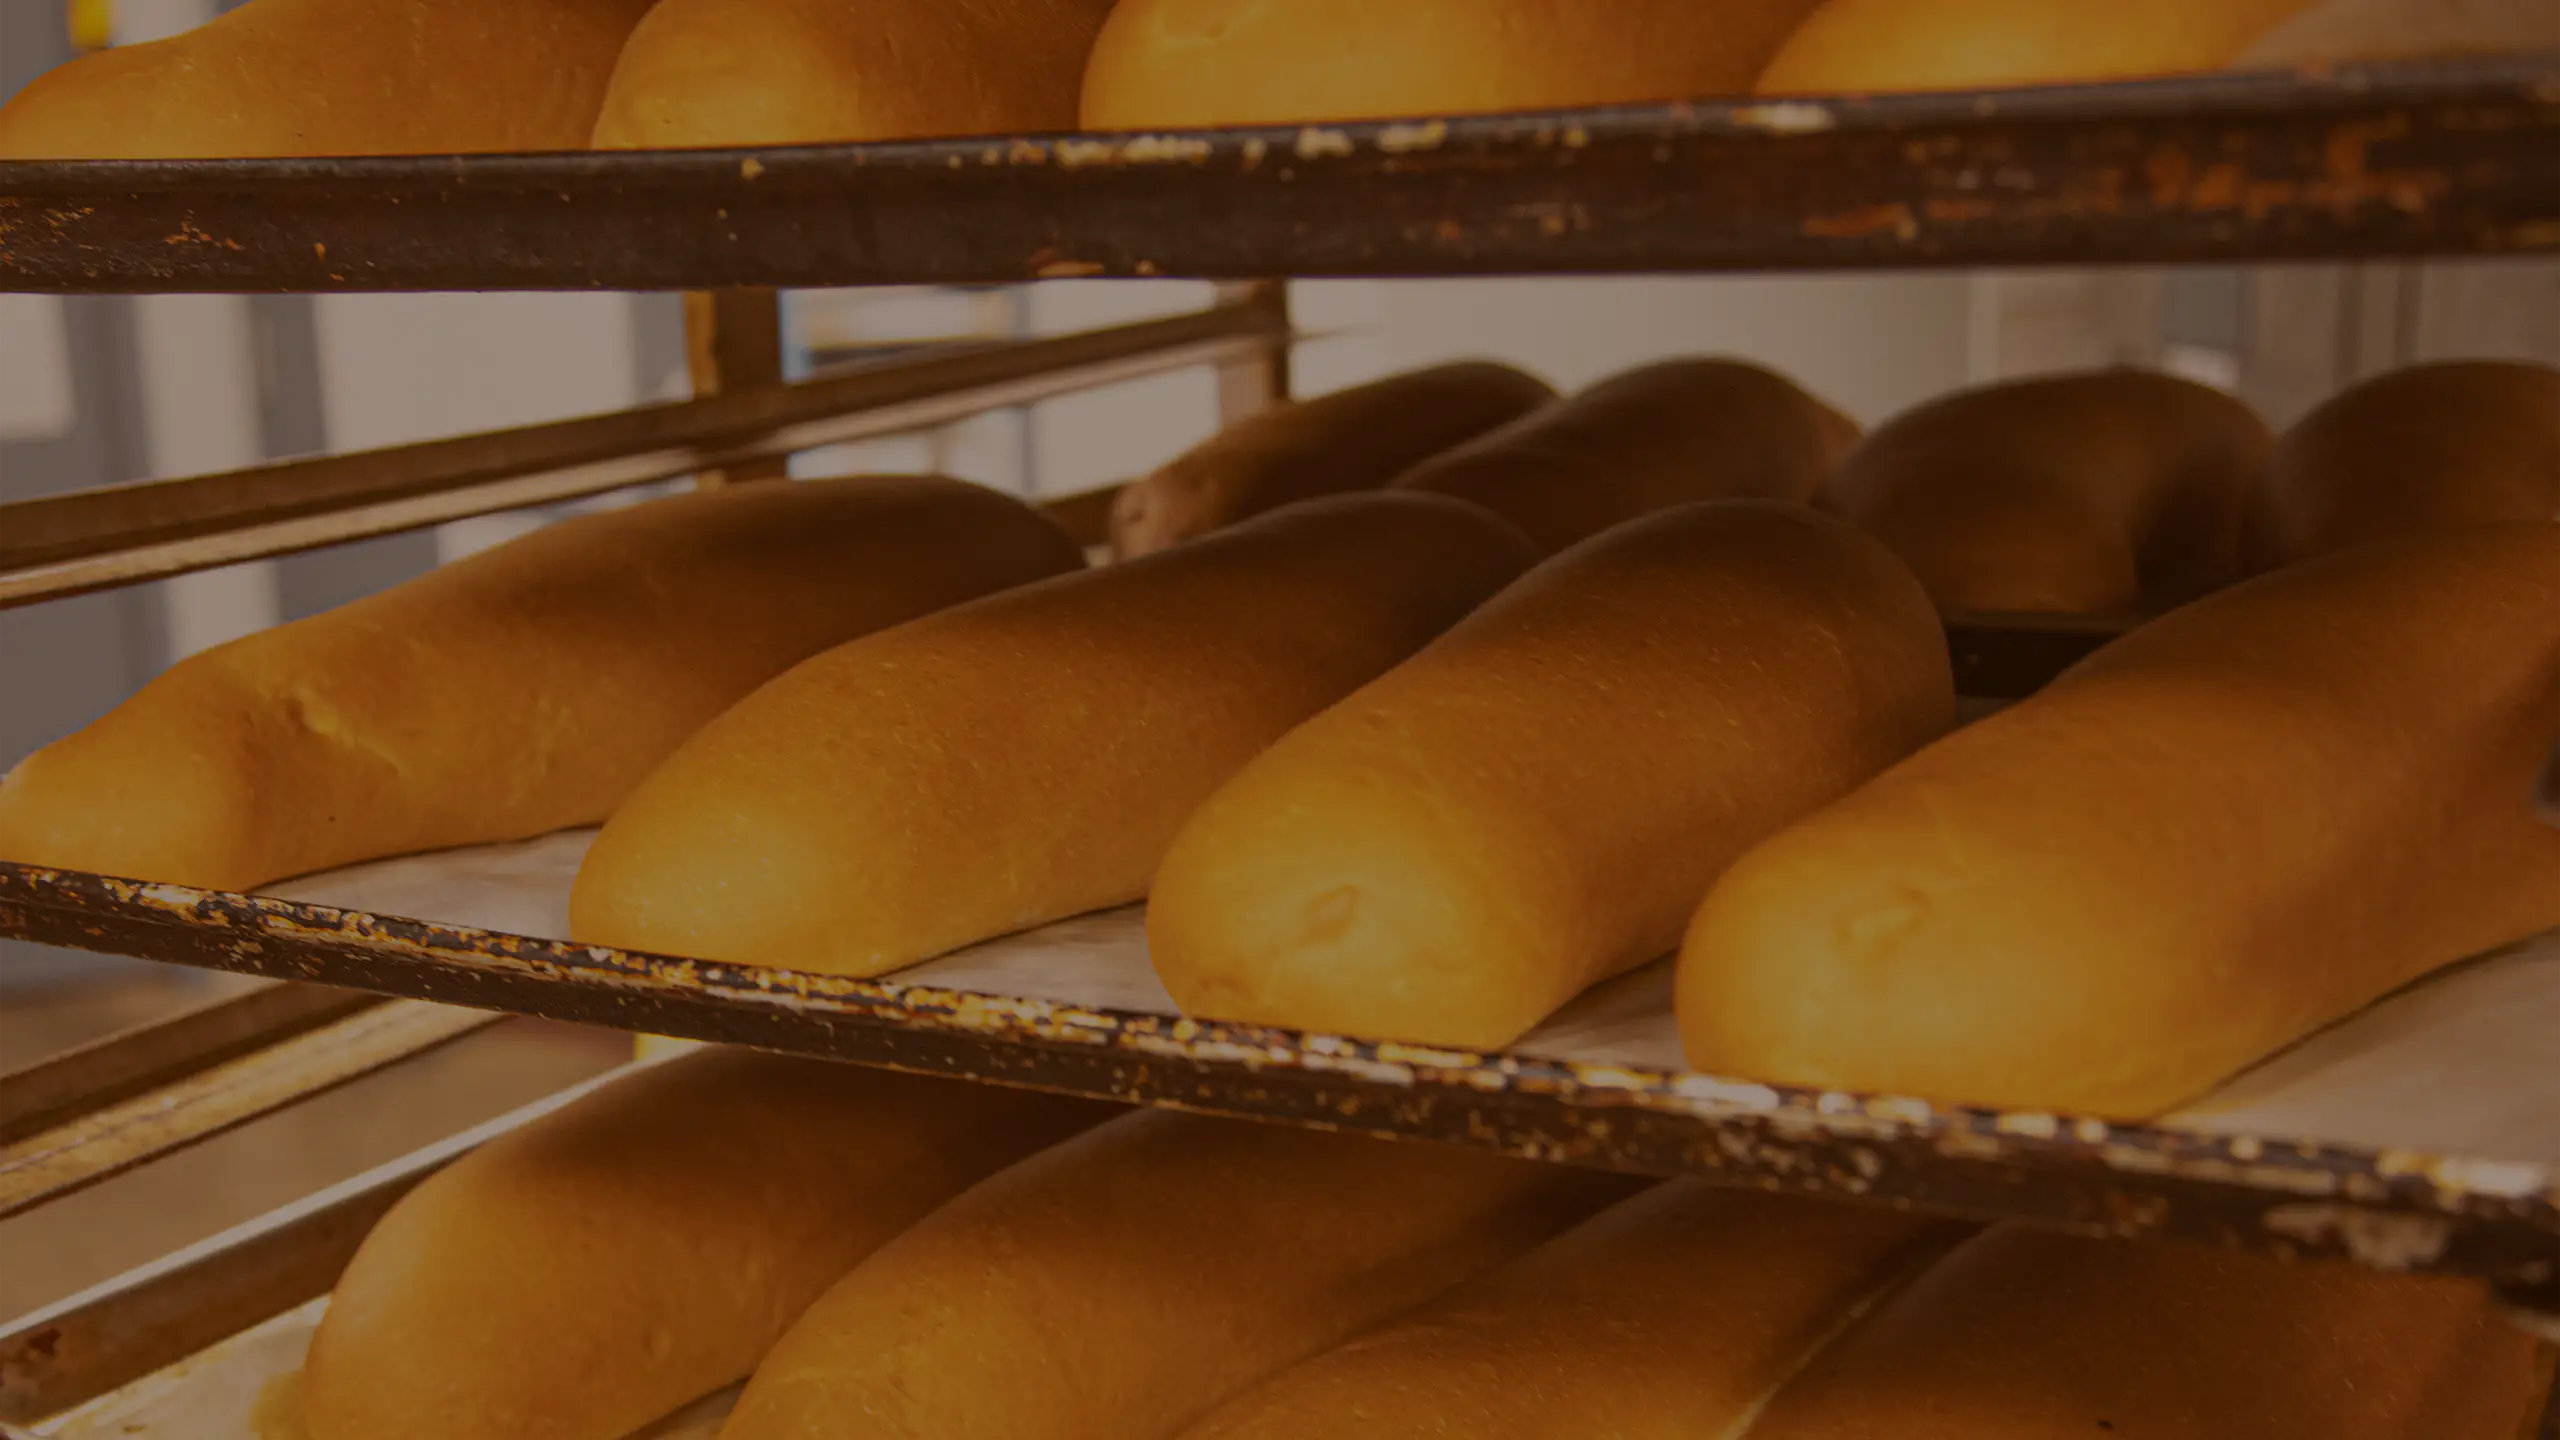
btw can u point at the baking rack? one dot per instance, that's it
(2439, 159)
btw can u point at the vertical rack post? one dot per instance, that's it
(1260, 380)
(733, 341)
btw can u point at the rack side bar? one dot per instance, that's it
(145, 1057)
(70, 1353)
(87, 1148)
(121, 534)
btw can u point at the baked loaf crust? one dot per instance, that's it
(1859, 45)
(802, 72)
(644, 1246)
(1675, 1313)
(2215, 835)
(1654, 437)
(2431, 447)
(1355, 439)
(522, 690)
(2098, 493)
(334, 77)
(1116, 1286)
(2345, 31)
(1026, 758)
(1171, 63)
(2024, 1335)
(1539, 799)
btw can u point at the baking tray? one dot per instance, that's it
(1074, 1007)
(2453, 157)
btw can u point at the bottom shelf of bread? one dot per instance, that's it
(882, 1254)
(2420, 1134)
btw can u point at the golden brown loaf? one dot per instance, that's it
(2230, 827)
(2023, 1335)
(2095, 493)
(2427, 448)
(1651, 438)
(523, 690)
(334, 77)
(801, 72)
(613, 1261)
(1862, 45)
(1118, 1285)
(1538, 800)
(1674, 1313)
(1017, 761)
(1355, 439)
(1172, 63)
(2344, 31)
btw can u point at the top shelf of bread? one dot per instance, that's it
(2458, 157)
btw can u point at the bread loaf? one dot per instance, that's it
(2345, 31)
(523, 690)
(619, 1258)
(1848, 46)
(1355, 439)
(334, 77)
(1028, 758)
(1538, 800)
(1170, 63)
(1651, 438)
(1117, 1286)
(801, 72)
(2429, 447)
(2096, 493)
(2025, 1335)
(1675, 1313)
(2232, 826)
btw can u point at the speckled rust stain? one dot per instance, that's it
(2414, 160)
(2385, 1209)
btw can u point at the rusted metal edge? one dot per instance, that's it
(80, 1348)
(98, 1144)
(2383, 1209)
(128, 1062)
(114, 535)
(2439, 158)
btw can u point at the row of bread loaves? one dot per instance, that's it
(361, 77)
(2177, 859)
(1341, 833)
(893, 1256)
(1032, 755)
(921, 1259)
(522, 690)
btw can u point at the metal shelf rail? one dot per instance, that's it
(2411, 159)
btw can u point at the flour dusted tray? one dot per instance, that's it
(2423, 1134)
